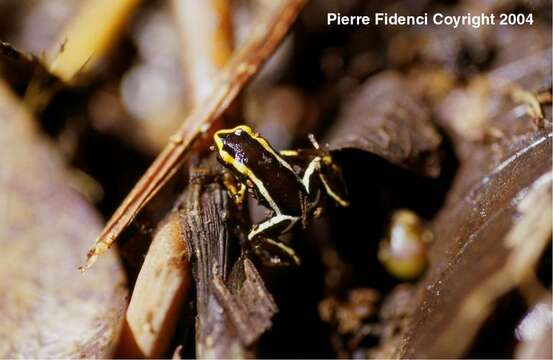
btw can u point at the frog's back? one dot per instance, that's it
(275, 182)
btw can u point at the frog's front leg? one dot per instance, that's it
(236, 189)
(278, 224)
(323, 174)
(311, 175)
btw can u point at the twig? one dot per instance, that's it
(160, 290)
(240, 70)
(88, 36)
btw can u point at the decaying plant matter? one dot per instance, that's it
(233, 305)
(443, 139)
(40, 314)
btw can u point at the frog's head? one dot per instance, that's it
(230, 137)
(229, 142)
(234, 147)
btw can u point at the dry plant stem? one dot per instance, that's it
(244, 64)
(88, 36)
(160, 290)
(207, 42)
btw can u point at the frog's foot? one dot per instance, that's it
(278, 224)
(275, 253)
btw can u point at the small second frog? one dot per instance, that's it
(290, 183)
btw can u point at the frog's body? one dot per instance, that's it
(273, 180)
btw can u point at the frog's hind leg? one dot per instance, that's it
(265, 248)
(282, 223)
(333, 183)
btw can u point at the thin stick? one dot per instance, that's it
(246, 63)
(88, 36)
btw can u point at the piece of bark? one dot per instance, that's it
(232, 310)
(245, 63)
(385, 119)
(248, 304)
(159, 293)
(204, 212)
(47, 308)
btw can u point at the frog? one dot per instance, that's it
(290, 183)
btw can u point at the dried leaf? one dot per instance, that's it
(385, 119)
(497, 255)
(494, 226)
(47, 308)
